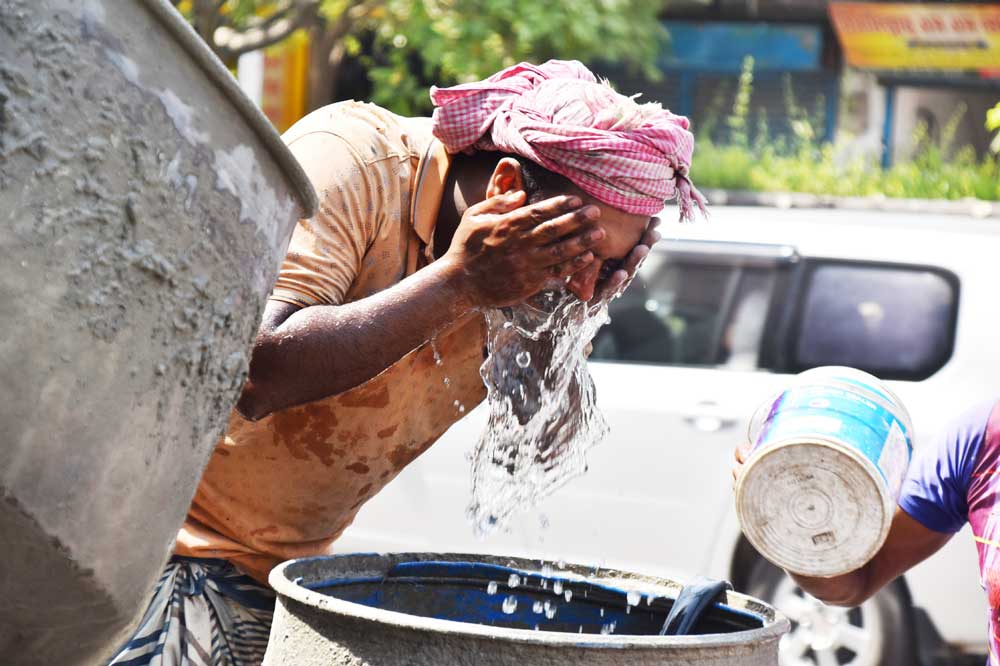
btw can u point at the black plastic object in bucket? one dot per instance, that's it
(423, 609)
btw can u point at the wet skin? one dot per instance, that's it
(624, 233)
(498, 250)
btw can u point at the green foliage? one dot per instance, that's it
(737, 121)
(451, 41)
(804, 164)
(993, 125)
(408, 44)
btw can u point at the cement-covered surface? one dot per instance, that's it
(141, 226)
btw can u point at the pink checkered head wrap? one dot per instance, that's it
(631, 156)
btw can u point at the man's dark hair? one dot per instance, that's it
(539, 182)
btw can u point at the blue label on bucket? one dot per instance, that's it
(843, 416)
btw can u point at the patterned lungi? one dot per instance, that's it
(204, 612)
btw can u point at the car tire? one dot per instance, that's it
(877, 633)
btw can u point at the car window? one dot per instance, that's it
(897, 322)
(741, 338)
(681, 312)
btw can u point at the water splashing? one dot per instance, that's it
(509, 605)
(543, 414)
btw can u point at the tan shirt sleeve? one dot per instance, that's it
(325, 253)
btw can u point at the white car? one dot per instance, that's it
(720, 316)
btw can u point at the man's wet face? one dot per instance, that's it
(622, 233)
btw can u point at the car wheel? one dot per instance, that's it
(877, 633)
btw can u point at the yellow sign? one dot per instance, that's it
(286, 71)
(925, 36)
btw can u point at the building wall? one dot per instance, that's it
(935, 107)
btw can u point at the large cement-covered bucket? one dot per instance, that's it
(431, 609)
(144, 209)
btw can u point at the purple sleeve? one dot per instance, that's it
(936, 487)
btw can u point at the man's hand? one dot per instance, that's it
(506, 252)
(619, 280)
(741, 453)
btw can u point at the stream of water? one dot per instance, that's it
(543, 415)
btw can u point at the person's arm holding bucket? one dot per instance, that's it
(933, 506)
(909, 543)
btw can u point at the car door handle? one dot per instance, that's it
(709, 417)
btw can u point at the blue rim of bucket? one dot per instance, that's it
(287, 580)
(478, 573)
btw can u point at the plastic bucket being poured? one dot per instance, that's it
(829, 454)
(432, 609)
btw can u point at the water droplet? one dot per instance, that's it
(602, 612)
(580, 630)
(509, 605)
(632, 598)
(649, 599)
(628, 610)
(434, 350)
(537, 607)
(461, 409)
(492, 587)
(568, 594)
(513, 581)
(561, 564)
(547, 570)
(523, 359)
(557, 586)
(447, 381)
(608, 628)
(536, 627)
(550, 610)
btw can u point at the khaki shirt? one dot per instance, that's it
(287, 486)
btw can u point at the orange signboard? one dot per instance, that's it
(924, 36)
(286, 66)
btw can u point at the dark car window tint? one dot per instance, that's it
(676, 313)
(896, 322)
(741, 338)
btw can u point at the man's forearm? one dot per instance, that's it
(324, 350)
(850, 589)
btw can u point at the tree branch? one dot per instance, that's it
(347, 19)
(231, 43)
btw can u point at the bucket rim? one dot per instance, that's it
(283, 579)
(164, 12)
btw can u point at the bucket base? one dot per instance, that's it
(812, 508)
